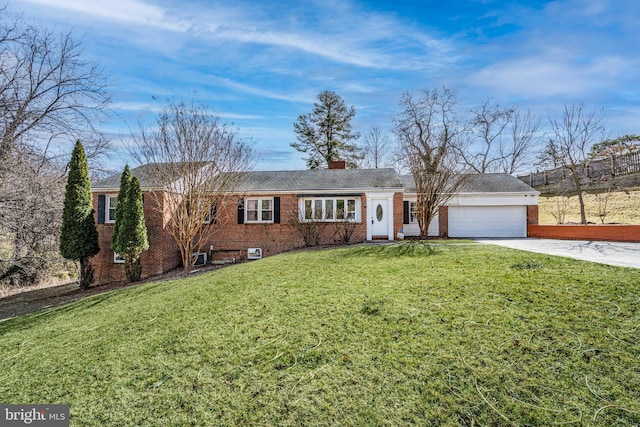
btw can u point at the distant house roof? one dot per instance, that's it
(481, 183)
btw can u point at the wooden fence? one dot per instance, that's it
(601, 169)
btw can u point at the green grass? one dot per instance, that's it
(368, 335)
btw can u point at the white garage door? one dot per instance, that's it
(487, 221)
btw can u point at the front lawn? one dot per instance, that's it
(366, 335)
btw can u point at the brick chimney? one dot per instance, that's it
(337, 164)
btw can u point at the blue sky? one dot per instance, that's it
(260, 64)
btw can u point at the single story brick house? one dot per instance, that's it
(373, 203)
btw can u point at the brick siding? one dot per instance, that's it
(443, 221)
(229, 239)
(532, 214)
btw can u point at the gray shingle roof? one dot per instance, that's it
(321, 180)
(481, 183)
(142, 172)
(335, 180)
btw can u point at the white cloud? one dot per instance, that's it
(264, 93)
(126, 11)
(547, 76)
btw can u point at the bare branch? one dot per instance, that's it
(573, 136)
(375, 148)
(196, 162)
(428, 131)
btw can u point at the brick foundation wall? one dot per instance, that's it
(443, 221)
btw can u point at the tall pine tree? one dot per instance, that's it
(79, 236)
(121, 204)
(325, 133)
(130, 233)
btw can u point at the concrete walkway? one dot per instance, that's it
(612, 253)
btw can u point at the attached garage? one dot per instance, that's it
(485, 205)
(488, 221)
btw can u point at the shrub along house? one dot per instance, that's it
(276, 211)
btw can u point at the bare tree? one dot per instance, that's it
(375, 148)
(517, 151)
(47, 92)
(196, 162)
(572, 139)
(49, 98)
(483, 151)
(501, 139)
(428, 132)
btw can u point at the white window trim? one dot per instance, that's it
(117, 259)
(259, 216)
(302, 209)
(413, 219)
(107, 207)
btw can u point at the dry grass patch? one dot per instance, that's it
(623, 206)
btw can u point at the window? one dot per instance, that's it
(259, 210)
(413, 212)
(211, 215)
(112, 202)
(322, 209)
(117, 259)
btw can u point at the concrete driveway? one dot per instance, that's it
(612, 253)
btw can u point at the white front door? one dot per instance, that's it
(378, 219)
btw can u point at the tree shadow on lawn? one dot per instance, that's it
(396, 250)
(24, 322)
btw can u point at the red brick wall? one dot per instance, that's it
(443, 221)
(163, 253)
(398, 211)
(532, 214)
(608, 232)
(231, 240)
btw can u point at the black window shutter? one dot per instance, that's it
(101, 205)
(241, 211)
(276, 210)
(406, 212)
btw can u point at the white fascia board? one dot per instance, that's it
(493, 199)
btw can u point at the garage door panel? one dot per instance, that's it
(487, 221)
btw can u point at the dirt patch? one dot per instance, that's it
(33, 300)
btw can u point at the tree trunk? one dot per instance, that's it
(86, 273)
(583, 215)
(187, 255)
(133, 268)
